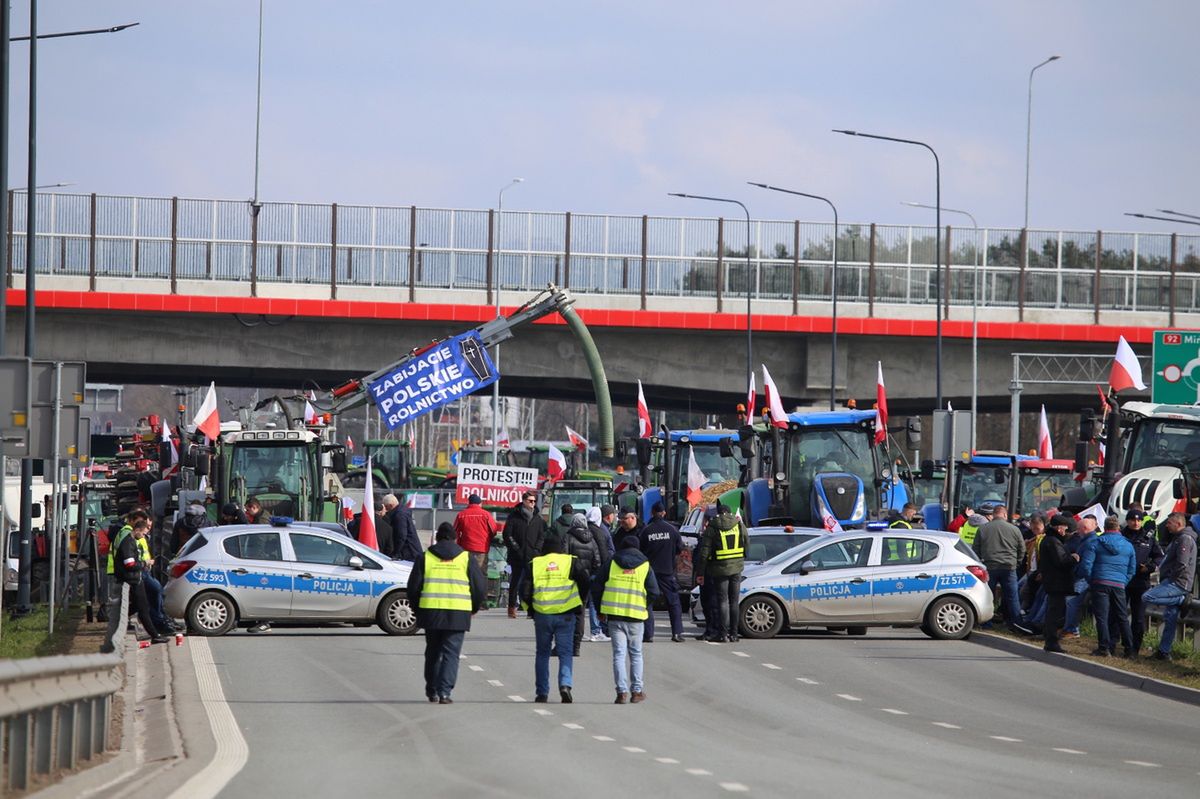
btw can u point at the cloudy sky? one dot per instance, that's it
(605, 107)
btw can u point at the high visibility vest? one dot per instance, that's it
(553, 589)
(144, 548)
(967, 533)
(625, 592)
(447, 586)
(116, 542)
(732, 546)
(900, 523)
(900, 550)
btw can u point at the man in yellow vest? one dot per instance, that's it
(447, 588)
(126, 567)
(550, 588)
(625, 591)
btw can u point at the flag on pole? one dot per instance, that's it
(831, 524)
(349, 443)
(503, 442)
(168, 442)
(1126, 371)
(1096, 512)
(774, 403)
(556, 463)
(577, 441)
(881, 409)
(695, 480)
(645, 427)
(310, 413)
(1045, 447)
(347, 509)
(207, 420)
(751, 400)
(366, 521)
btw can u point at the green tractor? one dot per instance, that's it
(391, 467)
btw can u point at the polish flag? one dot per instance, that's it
(1045, 447)
(645, 427)
(881, 411)
(1126, 371)
(751, 400)
(366, 521)
(347, 509)
(310, 413)
(556, 464)
(774, 403)
(577, 441)
(207, 420)
(168, 442)
(503, 441)
(1100, 459)
(349, 443)
(695, 480)
(831, 524)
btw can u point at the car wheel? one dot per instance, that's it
(396, 616)
(211, 613)
(761, 617)
(856, 631)
(949, 618)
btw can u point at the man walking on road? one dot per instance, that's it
(1001, 546)
(1109, 563)
(722, 558)
(447, 588)
(1177, 573)
(475, 528)
(625, 592)
(660, 543)
(1056, 564)
(524, 532)
(550, 588)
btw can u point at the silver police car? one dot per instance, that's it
(287, 572)
(869, 578)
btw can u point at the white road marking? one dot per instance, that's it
(1143, 763)
(848, 697)
(570, 725)
(894, 711)
(735, 787)
(516, 698)
(1068, 751)
(700, 772)
(496, 683)
(713, 643)
(668, 760)
(473, 667)
(232, 752)
(772, 666)
(742, 654)
(635, 749)
(807, 681)
(541, 711)
(463, 657)
(947, 725)
(1006, 739)
(603, 738)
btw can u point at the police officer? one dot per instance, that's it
(448, 588)
(660, 543)
(550, 588)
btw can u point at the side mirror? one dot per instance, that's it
(164, 455)
(1087, 425)
(1081, 455)
(160, 495)
(1179, 488)
(912, 432)
(808, 566)
(726, 447)
(622, 449)
(643, 451)
(356, 563)
(746, 440)
(338, 459)
(202, 464)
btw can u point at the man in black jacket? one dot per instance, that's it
(406, 544)
(447, 588)
(383, 529)
(127, 568)
(1149, 554)
(524, 532)
(661, 544)
(1056, 564)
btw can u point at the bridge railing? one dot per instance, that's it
(410, 248)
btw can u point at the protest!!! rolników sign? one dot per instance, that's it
(447, 371)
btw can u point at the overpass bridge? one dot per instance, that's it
(184, 290)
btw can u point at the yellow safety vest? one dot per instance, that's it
(901, 523)
(967, 533)
(116, 542)
(625, 592)
(732, 546)
(447, 586)
(144, 548)
(897, 550)
(553, 589)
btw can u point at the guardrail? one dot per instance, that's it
(175, 239)
(55, 711)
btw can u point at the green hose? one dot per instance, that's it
(599, 380)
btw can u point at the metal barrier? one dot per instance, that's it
(408, 247)
(54, 711)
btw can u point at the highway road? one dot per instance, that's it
(342, 712)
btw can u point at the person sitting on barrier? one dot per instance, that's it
(1178, 574)
(126, 568)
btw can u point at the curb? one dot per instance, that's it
(1125, 679)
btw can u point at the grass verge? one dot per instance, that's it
(29, 636)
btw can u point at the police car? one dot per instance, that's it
(869, 578)
(287, 572)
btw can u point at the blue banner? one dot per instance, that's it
(447, 371)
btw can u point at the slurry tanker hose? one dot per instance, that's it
(599, 380)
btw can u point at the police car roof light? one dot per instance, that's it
(281, 521)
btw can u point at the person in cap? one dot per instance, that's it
(447, 588)
(193, 519)
(475, 529)
(661, 544)
(549, 588)
(231, 513)
(721, 560)
(625, 592)
(1149, 554)
(1056, 564)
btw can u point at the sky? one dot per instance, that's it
(606, 107)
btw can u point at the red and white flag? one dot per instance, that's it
(831, 524)
(349, 443)
(310, 413)
(366, 521)
(168, 442)
(751, 400)
(503, 441)
(1100, 458)
(1126, 371)
(577, 441)
(556, 463)
(881, 411)
(1045, 446)
(347, 509)
(207, 420)
(695, 480)
(645, 427)
(774, 402)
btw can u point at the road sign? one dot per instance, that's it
(1176, 367)
(15, 406)
(72, 377)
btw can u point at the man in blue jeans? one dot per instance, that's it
(550, 588)
(1001, 546)
(1177, 573)
(1109, 563)
(1077, 605)
(625, 591)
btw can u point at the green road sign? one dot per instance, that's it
(1176, 377)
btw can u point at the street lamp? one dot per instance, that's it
(1164, 219)
(749, 283)
(1029, 131)
(1176, 213)
(974, 316)
(496, 349)
(833, 346)
(937, 255)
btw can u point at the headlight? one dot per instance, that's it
(860, 507)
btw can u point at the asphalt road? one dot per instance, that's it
(342, 712)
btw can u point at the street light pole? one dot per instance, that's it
(496, 349)
(749, 282)
(1164, 219)
(974, 318)
(1029, 131)
(833, 345)
(937, 255)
